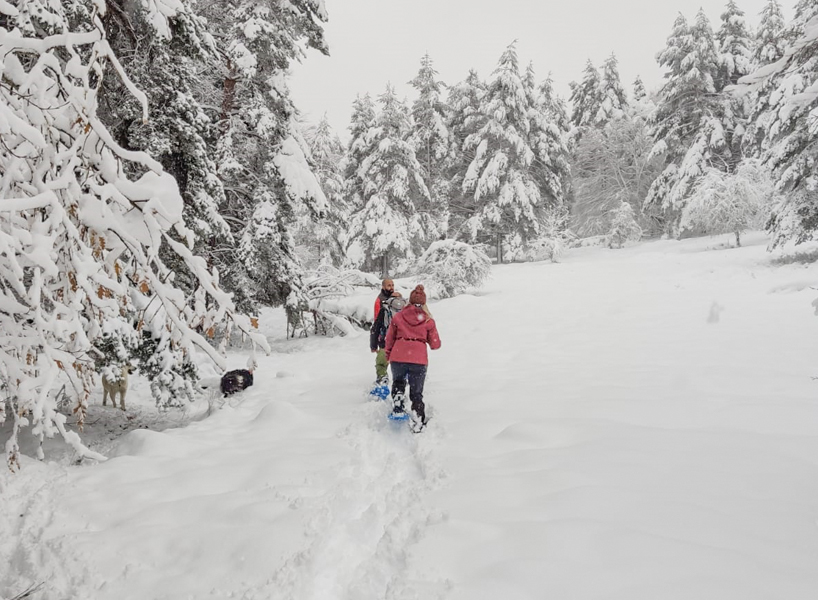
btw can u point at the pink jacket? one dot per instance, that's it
(409, 332)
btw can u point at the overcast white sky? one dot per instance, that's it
(373, 42)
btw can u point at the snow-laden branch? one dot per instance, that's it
(81, 241)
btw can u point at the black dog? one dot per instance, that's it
(236, 381)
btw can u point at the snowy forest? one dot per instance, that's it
(160, 187)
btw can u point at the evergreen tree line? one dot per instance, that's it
(723, 145)
(481, 161)
(503, 162)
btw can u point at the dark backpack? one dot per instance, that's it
(391, 307)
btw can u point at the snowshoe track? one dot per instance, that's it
(366, 524)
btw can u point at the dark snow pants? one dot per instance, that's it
(416, 376)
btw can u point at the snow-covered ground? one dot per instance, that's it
(634, 424)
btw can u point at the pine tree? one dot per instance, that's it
(430, 137)
(639, 92)
(388, 225)
(553, 106)
(687, 127)
(83, 240)
(585, 98)
(362, 121)
(507, 195)
(547, 138)
(612, 100)
(769, 45)
(735, 47)
(624, 227)
(805, 10)
(464, 120)
(789, 103)
(678, 113)
(324, 237)
(735, 61)
(180, 133)
(262, 157)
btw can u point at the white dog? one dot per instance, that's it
(119, 385)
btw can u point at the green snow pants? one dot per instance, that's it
(380, 364)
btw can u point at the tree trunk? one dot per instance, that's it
(229, 97)
(385, 266)
(738, 239)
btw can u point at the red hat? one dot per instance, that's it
(418, 296)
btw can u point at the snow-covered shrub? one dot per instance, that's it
(451, 267)
(624, 227)
(554, 239)
(730, 203)
(544, 248)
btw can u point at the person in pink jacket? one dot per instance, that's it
(409, 333)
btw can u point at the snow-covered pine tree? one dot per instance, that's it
(770, 44)
(547, 140)
(612, 100)
(585, 100)
(430, 137)
(789, 104)
(464, 119)
(82, 241)
(362, 121)
(388, 226)
(262, 156)
(553, 106)
(687, 128)
(166, 63)
(624, 227)
(805, 10)
(507, 196)
(639, 92)
(735, 47)
(676, 118)
(323, 239)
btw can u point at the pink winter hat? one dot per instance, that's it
(418, 296)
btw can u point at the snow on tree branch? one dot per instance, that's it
(81, 240)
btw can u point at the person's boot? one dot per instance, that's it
(419, 419)
(398, 410)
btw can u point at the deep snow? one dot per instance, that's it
(623, 425)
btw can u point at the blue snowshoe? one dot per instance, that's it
(381, 389)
